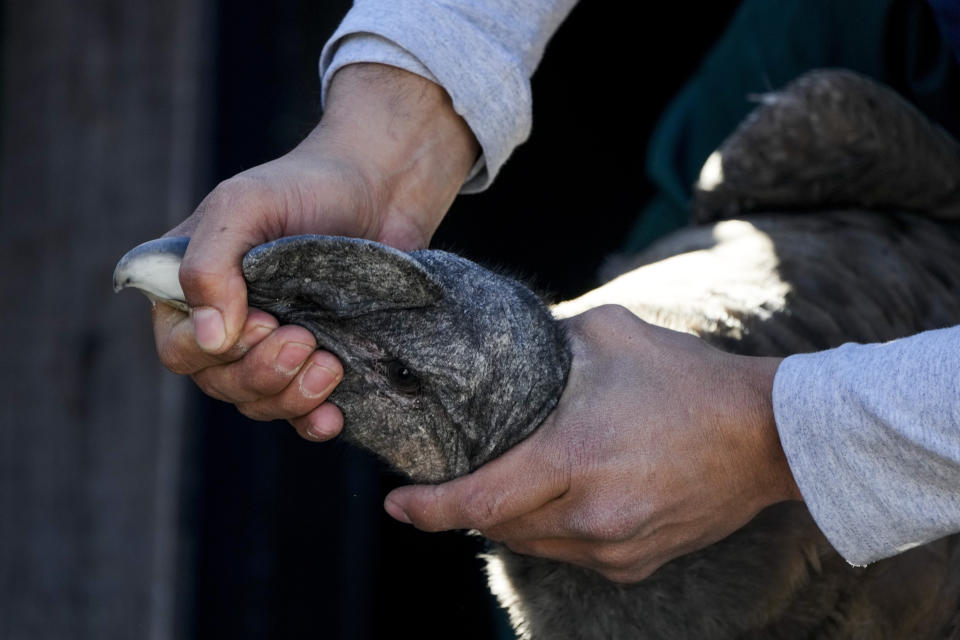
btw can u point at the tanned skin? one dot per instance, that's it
(660, 445)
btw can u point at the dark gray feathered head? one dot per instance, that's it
(446, 364)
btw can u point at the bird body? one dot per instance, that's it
(824, 241)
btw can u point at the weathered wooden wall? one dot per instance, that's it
(103, 110)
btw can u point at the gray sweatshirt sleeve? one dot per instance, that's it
(482, 52)
(872, 435)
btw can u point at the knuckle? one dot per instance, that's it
(615, 558)
(290, 401)
(174, 365)
(626, 576)
(192, 278)
(254, 411)
(206, 381)
(266, 384)
(273, 407)
(243, 192)
(612, 529)
(262, 377)
(598, 522)
(195, 277)
(242, 188)
(600, 317)
(174, 359)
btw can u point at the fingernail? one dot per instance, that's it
(258, 333)
(316, 381)
(209, 329)
(291, 356)
(315, 432)
(396, 512)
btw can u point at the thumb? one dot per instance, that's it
(505, 488)
(215, 291)
(210, 272)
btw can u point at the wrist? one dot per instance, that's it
(410, 147)
(773, 478)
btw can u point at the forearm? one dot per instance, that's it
(411, 148)
(872, 433)
(483, 53)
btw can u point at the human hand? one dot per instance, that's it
(659, 446)
(385, 163)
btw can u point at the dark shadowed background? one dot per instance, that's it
(130, 505)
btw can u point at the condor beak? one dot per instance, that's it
(154, 267)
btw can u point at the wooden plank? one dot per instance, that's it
(101, 107)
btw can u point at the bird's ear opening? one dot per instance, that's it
(346, 277)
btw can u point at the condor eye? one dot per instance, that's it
(402, 377)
